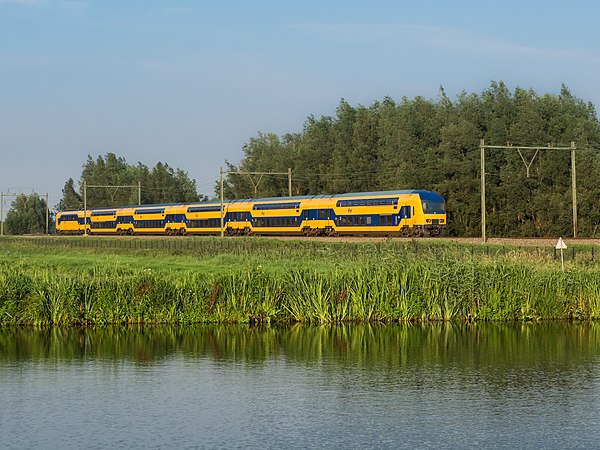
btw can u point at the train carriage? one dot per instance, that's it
(409, 212)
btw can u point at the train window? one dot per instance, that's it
(433, 207)
(368, 220)
(322, 213)
(263, 206)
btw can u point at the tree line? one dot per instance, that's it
(114, 182)
(160, 184)
(435, 144)
(407, 144)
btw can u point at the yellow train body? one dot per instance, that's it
(415, 212)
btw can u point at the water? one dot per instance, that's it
(355, 386)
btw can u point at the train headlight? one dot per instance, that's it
(428, 221)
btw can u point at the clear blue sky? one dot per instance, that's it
(188, 82)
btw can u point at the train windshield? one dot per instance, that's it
(433, 207)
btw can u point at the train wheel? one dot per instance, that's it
(329, 231)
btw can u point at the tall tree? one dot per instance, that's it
(27, 215)
(424, 144)
(70, 200)
(107, 175)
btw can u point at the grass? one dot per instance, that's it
(267, 281)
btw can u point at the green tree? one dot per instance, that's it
(263, 154)
(70, 200)
(167, 185)
(161, 184)
(27, 215)
(424, 144)
(313, 150)
(108, 171)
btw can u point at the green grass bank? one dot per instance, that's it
(89, 281)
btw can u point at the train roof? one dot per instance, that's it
(424, 194)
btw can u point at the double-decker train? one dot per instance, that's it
(406, 212)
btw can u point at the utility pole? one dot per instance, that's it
(47, 215)
(2, 214)
(482, 147)
(107, 186)
(85, 208)
(574, 189)
(288, 173)
(482, 158)
(222, 217)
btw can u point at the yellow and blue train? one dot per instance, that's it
(406, 212)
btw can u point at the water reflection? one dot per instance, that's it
(554, 345)
(344, 386)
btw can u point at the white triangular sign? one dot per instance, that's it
(560, 245)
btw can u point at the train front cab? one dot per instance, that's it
(430, 215)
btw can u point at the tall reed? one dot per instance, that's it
(370, 283)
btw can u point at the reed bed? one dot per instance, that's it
(289, 282)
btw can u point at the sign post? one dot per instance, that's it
(560, 245)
